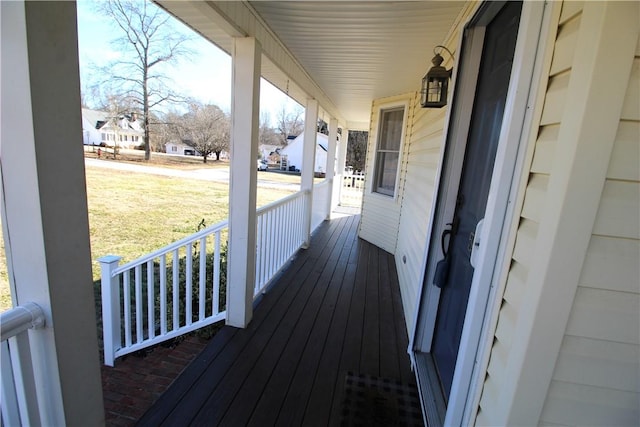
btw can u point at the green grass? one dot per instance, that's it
(131, 214)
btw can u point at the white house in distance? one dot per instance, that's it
(291, 155)
(102, 128)
(180, 148)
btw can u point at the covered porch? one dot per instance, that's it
(333, 316)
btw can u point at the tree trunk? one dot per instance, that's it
(145, 106)
(204, 159)
(217, 156)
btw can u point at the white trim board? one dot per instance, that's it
(586, 136)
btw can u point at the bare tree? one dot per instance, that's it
(148, 42)
(290, 123)
(162, 129)
(266, 134)
(205, 128)
(357, 149)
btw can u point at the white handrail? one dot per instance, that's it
(172, 246)
(281, 202)
(21, 318)
(19, 403)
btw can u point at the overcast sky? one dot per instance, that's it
(208, 70)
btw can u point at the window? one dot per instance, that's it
(104, 136)
(388, 151)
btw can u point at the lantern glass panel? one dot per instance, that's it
(434, 90)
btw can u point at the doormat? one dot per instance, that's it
(372, 401)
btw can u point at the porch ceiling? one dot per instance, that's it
(345, 54)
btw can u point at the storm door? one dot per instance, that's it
(459, 238)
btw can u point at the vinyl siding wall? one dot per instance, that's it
(596, 380)
(381, 213)
(420, 169)
(597, 375)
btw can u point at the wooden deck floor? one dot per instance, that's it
(336, 308)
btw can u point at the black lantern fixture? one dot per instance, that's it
(435, 83)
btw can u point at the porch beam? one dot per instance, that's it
(309, 163)
(44, 208)
(331, 164)
(245, 109)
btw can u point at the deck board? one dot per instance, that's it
(335, 308)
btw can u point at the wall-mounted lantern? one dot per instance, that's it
(433, 93)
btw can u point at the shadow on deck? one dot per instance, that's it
(335, 309)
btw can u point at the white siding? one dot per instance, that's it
(596, 380)
(419, 177)
(597, 375)
(381, 213)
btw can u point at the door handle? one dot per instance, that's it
(475, 245)
(442, 267)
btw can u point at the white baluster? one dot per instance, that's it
(163, 294)
(127, 308)
(150, 301)
(176, 289)
(188, 284)
(202, 283)
(138, 287)
(215, 298)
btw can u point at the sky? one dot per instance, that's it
(208, 69)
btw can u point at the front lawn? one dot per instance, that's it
(131, 214)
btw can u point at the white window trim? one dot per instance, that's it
(371, 186)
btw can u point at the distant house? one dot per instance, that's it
(180, 148)
(102, 128)
(291, 155)
(92, 121)
(269, 152)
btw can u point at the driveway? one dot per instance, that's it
(213, 175)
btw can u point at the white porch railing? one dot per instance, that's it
(18, 397)
(165, 294)
(320, 205)
(280, 233)
(352, 189)
(182, 287)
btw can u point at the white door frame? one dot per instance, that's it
(524, 84)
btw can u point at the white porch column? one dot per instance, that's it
(245, 109)
(44, 207)
(341, 163)
(331, 164)
(309, 163)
